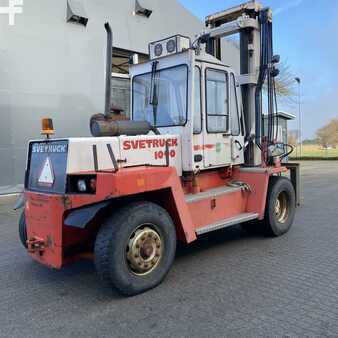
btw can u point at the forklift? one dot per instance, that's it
(194, 158)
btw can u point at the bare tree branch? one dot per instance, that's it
(285, 83)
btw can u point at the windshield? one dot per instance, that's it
(171, 91)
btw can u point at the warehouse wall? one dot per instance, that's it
(49, 67)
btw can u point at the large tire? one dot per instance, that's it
(280, 206)
(23, 230)
(143, 230)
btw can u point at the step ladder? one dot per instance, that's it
(213, 193)
(243, 217)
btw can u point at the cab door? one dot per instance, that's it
(217, 136)
(198, 119)
(236, 123)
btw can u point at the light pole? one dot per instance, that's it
(297, 79)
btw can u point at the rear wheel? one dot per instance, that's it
(280, 206)
(23, 230)
(135, 248)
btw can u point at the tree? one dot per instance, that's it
(328, 134)
(293, 137)
(285, 85)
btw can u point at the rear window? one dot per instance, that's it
(46, 168)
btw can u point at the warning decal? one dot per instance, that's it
(46, 177)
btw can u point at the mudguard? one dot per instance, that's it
(79, 218)
(20, 202)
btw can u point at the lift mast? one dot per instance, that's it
(244, 19)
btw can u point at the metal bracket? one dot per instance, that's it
(294, 169)
(36, 244)
(76, 13)
(244, 79)
(233, 27)
(142, 11)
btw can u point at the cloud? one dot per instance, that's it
(288, 5)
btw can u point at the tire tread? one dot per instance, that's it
(266, 224)
(23, 230)
(112, 231)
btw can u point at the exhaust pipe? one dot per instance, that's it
(108, 68)
(103, 125)
(101, 128)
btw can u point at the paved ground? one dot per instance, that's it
(226, 284)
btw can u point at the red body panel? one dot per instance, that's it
(44, 219)
(258, 182)
(45, 213)
(211, 210)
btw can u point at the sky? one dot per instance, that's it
(306, 37)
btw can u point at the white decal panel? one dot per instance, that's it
(151, 150)
(81, 153)
(128, 151)
(46, 177)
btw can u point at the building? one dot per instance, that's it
(281, 125)
(52, 64)
(281, 129)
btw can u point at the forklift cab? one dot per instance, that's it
(193, 95)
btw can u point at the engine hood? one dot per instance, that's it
(50, 161)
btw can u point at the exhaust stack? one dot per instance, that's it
(108, 68)
(103, 124)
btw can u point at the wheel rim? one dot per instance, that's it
(144, 250)
(282, 207)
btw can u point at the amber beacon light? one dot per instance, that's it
(47, 127)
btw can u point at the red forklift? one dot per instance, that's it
(194, 158)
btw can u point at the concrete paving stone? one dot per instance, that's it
(226, 284)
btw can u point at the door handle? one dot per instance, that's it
(240, 147)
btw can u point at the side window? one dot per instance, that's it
(217, 101)
(234, 114)
(197, 106)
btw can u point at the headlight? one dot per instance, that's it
(81, 185)
(92, 184)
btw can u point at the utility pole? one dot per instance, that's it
(300, 126)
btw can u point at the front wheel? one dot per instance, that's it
(135, 248)
(280, 206)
